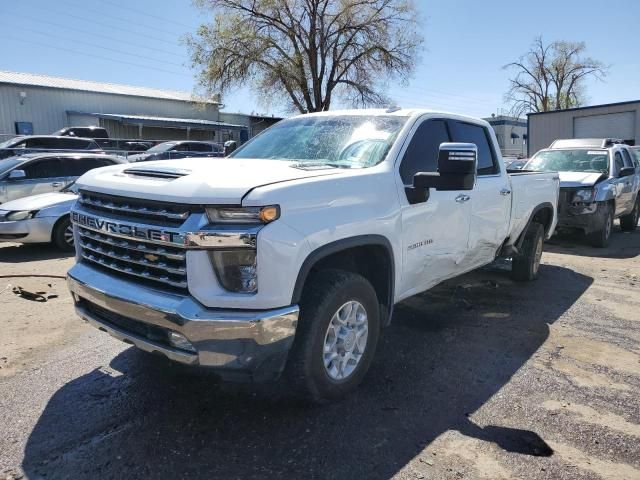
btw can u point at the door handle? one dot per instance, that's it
(505, 191)
(57, 184)
(463, 198)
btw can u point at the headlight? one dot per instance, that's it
(584, 196)
(236, 269)
(21, 215)
(243, 214)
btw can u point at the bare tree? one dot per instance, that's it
(305, 52)
(551, 77)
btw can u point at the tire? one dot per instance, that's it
(629, 223)
(309, 372)
(62, 236)
(525, 265)
(600, 238)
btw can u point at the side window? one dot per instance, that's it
(636, 157)
(422, 153)
(77, 167)
(469, 133)
(200, 147)
(71, 143)
(627, 159)
(619, 162)
(41, 143)
(49, 168)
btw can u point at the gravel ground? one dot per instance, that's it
(480, 378)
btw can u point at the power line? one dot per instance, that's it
(112, 27)
(95, 34)
(84, 43)
(147, 14)
(440, 96)
(102, 13)
(100, 57)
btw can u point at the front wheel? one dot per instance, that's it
(526, 264)
(628, 223)
(600, 238)
(62, 236)
(336, 337)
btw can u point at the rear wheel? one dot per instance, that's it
(526, 264)
(600, 238)
(336, 337)
(62, 236)
(628, 223)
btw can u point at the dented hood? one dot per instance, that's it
(195, 180)
(580, 179)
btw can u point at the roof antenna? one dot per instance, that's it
(393, 108)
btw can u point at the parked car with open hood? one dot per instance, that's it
(599, 181)
(179, 149)
(36, 173)
(34, 143)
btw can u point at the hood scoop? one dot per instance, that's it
(158, 172)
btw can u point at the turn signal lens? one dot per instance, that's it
(269, 214)
(243, 214)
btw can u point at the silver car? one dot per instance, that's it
(32, 174)
(39, 219)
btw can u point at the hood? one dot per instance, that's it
(208, 180)
(38, 202)
(580, 179)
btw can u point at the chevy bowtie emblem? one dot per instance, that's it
(151, 257)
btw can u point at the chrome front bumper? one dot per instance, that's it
(254, 344)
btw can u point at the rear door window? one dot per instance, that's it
(627, 159)
(470, 133)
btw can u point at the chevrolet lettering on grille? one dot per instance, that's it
(126, 229)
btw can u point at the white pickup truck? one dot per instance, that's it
(289, 255)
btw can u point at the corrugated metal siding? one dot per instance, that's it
(547, 127)
(46, 107)
(36, 80)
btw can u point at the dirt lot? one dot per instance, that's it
(480, 378)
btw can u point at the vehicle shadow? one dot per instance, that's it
(446, 354)
(31, 252)
(621, 245)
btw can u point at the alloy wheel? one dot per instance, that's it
(345, 341)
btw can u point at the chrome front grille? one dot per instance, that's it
(134, 208)
(160, 265)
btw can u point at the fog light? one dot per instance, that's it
(180, 341)
(236, 269)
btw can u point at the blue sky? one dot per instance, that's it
(137, 42)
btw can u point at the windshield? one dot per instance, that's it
(354, 141)
(162, 147)
(7, 164)
(8, 143)
(578, 160)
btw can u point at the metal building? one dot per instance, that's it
(511, 133)
(42, 104)
(615, 120)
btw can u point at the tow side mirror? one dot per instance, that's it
(17, 175)
(626, 172)
(457, 169)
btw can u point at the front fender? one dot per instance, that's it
(606, 191)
